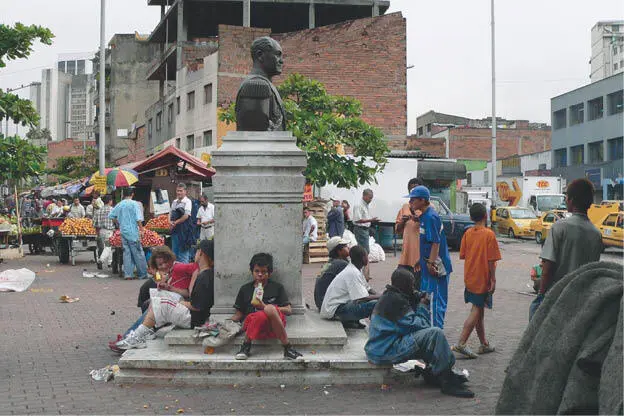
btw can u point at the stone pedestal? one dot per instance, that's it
(258, 191)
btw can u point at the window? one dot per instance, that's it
(577, 155)
(486, 176)
(428, 127)
(616, 148)
(561, 158)
(596, 152)
(611, 220)
(207, 138)
(615, 50)
(577, 114)
(469, 178)
(177, 145)
(158, 121)
(420, 131)
(190, 142)
(621, 63)
(149, 129)
(594, 108)
(207, 93)
(549, 218)
(190, 101)
(615, 66)
(170, 114)
(614, 103)
(178, 105)
(559, 119)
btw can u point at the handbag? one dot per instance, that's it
(439, 265)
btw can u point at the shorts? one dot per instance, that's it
(256, 325)
(479, 300)
(167, 311)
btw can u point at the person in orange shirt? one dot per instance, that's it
(407, 225)
(479, 249)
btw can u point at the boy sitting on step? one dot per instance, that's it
(265, 318)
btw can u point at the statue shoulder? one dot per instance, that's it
(255, 87)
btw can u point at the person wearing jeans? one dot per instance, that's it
(129, 216)
(349, 298)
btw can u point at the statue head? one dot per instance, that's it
(266, 53)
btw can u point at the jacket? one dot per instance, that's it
(395, 319)
(335, 222)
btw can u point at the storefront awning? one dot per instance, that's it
(172, 156)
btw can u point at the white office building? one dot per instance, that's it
(607, 49)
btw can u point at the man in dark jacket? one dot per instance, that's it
(400, 330)
(335, 219)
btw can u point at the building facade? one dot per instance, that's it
(587, 130)
(607, 49)
(199, 67)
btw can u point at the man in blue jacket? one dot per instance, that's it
(400, 330)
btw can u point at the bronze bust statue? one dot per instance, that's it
(259, 106)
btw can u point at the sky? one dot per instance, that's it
(542, 48)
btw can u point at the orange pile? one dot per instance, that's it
(159, 223)
(77, 226)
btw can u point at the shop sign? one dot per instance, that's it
(99, 183)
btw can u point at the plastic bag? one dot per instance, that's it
(106, 256)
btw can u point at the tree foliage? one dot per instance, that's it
(38, 135)
(20, 159)
(324, 126)
(75, 167)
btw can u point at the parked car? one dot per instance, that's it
(515, 221)
(454, 224)
(541, 226)
(611, 228)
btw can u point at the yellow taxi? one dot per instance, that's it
(611, 228)
(515, 221)
(541, 226)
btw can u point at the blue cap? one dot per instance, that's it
(419, 192)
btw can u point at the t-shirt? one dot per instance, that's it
(206, 214)
(181, 274)
(361, 212)
(274, 294)
(184, 203)
(328, 274)
(76, 211)
(431, 232)
(349, 285)
(411, 238)
(128, 213)
(572, 242)
(202, 297)
(307, 227)
(478, 247)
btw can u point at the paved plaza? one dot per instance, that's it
(48, 349)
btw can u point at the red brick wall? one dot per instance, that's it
(65, 148)
(476, 144)
(364, 58)
(435, 147)
(136, 148)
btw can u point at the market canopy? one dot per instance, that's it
(186, 163)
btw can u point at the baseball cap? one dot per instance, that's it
(419, 192)
(334, 198)
(207, 247)
(336, 241)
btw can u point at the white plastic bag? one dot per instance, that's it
(16, 280)
(107, 256)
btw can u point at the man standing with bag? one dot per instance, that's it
(181, 209)
(128, 215)
(435, 261)
(105, 229)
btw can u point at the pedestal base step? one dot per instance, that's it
(162, 364)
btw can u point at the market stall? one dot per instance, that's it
(75, 235)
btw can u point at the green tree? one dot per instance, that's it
(20, 159)
(37, 135)
(324, 126)
(75, 167)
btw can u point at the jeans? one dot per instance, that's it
(136, 324)
(534, 305)
(362, 235)
(182, 255)
(437, 287)
(133, 255)
(354, 311)
(431, 346)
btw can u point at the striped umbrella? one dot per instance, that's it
(106, 172)
(121, 177)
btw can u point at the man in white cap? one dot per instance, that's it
(335, 219)
(338, 259)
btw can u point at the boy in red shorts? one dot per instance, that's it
(479, 249)
(266, 319)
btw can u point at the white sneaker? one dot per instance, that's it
(135, 340)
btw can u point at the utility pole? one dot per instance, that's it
(493, 108)
(102, 97)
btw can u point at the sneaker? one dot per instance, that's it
(244, 352)
(113, 344)
(135, 340)
(291, 353)
(456, 390)
(485, 349)
(464, 350)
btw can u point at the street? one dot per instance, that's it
(48, 348)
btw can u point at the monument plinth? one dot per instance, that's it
(258, 191)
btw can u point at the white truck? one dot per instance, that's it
(541, 193)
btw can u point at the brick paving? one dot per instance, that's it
(48, 349)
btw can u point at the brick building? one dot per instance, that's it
(136, 149)
(65, 148)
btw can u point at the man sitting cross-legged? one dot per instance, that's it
(401, 330)
(183, 314)
(348, 297)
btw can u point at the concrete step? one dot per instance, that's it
(159, 363)
(303, 330)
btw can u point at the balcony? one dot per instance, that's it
(164, 66)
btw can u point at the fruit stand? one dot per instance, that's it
(148, 238)
(76, 235)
